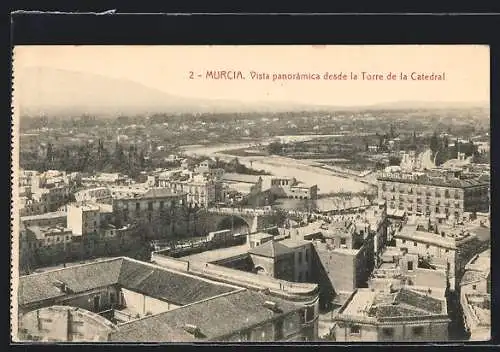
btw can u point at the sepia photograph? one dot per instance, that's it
(242, 194)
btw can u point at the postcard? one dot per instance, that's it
(238, 194)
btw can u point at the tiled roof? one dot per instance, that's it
(174, 287)
(422, 301)
(80, 278)
(391, 311)
(270, 249)
(215, 318)
(148, 279)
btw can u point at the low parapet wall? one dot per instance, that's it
(169, 262)
(295, 291)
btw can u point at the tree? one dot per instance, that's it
(275, 148)
(392, 132)
(394, 161)
(434, 143)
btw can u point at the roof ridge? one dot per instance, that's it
(72, 267)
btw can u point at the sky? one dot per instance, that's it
(167, 68)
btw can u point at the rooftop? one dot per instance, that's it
(270, 249)
(480, 307)
(234, 177)
(260, 236)
(295, 242)
(481, 262)
(217, 254)
(471, 276)
(42, 231)
(159, 193)
(84, 206)
(425, 179)
(52, 215)
(404, 303)
(450, 241)
(151, 280)
(238, 310)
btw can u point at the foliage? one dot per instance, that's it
(91, 158)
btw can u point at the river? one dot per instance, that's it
(327, 181)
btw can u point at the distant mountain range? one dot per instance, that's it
(60, 92)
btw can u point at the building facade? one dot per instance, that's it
(429, 195)
(401, 316)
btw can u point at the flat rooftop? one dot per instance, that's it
(481, 262)
(404, 303)
(411, 233)
(217, 254)
(51, 215)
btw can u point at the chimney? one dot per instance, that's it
(192, 329)
(272, 306)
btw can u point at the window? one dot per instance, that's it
(343, 241)
(404, 241)
(300, 257)
(415, 244)
(355, 330)
(427, 246)
(474, 287)
(306, 255)
(410, 266)
(112, 298)
(388, 332)
(418, 330)
(150, 205)
(162, 204)
(309, 314)
(137, 206)
(278, 330)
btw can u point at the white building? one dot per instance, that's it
(83, 218)
(94, 195)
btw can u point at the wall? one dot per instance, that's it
(303, 263)
(431, 332)
(320, 275)
(140, 304)
(340, 268)
(81, 248)
(263, 332)
(49, 221)
(264, 262)
(284, 267)
(86, 300)
(241, 262)
(74, 220)
(400, 332)
(366, 333)
(481, 287)
(282, 329)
